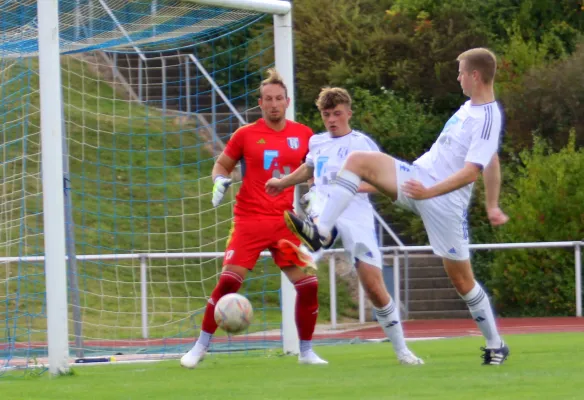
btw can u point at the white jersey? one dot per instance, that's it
(470, 135)
(326, 154)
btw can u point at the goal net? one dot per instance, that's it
(151, 92)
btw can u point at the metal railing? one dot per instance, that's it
(396, 250)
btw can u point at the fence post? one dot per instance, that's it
(361, 303)
(144, 295)
(578, 272)
(396, 293)
(333, 290)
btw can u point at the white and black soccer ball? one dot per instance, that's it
(233, 313)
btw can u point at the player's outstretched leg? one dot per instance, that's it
(229, 282)
(305, 230)
(314, 237)
(460, 272)
(308, 233)
(387, 312)
(378, 170)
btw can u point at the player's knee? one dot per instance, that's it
(462, 284)
(460, 274)
(377, 293)
(229, 282)
(307, 289)
(354, 161)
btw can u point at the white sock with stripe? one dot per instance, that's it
(388, 318)
(480, 308)
(340, 195)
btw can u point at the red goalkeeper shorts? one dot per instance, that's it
(249, 237)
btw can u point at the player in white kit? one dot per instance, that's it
(355, 225)
(437, 187)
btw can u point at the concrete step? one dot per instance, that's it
(430, 283)
(451, 314)
(198, 103)
(172, 90)
(417, 260)
(424, 272)
(154, 75)
(222, 110)
(431, 294)
(153, 64)
(441, 305)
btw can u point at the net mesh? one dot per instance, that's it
(143, 125)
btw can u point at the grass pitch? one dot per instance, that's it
(540, 367)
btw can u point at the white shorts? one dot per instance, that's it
(444, 216)
(360, 242)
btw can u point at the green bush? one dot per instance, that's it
(547, 100)
(545, 204)
(342, 49)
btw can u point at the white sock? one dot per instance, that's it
(480, 308)
(203, 341)
(305, 346)
(340, 195)
(388, 318)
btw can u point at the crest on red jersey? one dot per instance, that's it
(293, 143)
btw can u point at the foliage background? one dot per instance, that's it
(397, 58)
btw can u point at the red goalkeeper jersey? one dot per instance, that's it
(266, 153)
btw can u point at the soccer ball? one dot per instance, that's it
(233, 313)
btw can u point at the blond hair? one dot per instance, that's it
(482, 60)
(274, 78)
(330, 97)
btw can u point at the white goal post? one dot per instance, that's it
(52, 168)
(53, 199)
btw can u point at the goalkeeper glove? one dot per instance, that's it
(220, 186)
(308, 198)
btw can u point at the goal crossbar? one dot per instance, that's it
(278, 7)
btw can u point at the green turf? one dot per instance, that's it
(540, 367)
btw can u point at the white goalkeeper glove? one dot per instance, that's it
(220, 186)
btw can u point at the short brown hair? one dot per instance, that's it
(330, 97)
(482, 60)
(274, 78)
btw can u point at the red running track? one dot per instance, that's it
(413, 329)
(467, 327)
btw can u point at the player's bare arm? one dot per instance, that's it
(492, 181)
(223, 166)
(274, 186)
(468, 174)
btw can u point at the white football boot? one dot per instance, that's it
(310, 357)
(193, 357)
(406, 357)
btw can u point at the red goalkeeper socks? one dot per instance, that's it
(229, 282)
(306, 306)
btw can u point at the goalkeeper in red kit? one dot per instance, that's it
(271, 147)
